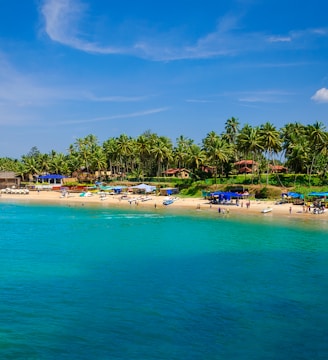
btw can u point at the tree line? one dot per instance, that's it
(301, 148)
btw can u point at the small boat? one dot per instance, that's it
(266, 210)
(145, 198)
(168, 202)
(85, 194)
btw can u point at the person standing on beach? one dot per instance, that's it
(290, 210)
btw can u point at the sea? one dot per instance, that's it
(86, 282)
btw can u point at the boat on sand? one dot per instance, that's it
(266, 210)
(169, 200)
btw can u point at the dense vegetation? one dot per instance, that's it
(301, 148)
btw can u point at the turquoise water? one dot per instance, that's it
(88, 283)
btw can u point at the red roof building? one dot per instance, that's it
(246, 166)
(181, 173)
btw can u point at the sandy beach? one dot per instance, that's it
(156, 202)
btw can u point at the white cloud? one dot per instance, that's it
(62, 19)
(117, 99)
(321, 96)
(115, 117)
(25, 90)
(199, 101)
(67, 22)
(264, 96)
(279, 39)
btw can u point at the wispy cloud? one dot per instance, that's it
(65, 20)
(202, 101)
(294, 36)
(117, 99)
(116, 117)
(24, 97)
(62, 20)
(23, 90)
(265, 96)
(320, 96)
(279, 39)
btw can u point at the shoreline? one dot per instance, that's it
(156, 202)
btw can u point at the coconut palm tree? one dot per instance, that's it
(85, 146)
(271, 143)
(181, 150)
(31, 166)
(125, 147)
(44, 162)
(99, 161)
(231, 130)
(58, 164)
(318, 142)
(249, 143)
(295, 145)
(111, 152)
(196, 157)
(143, 149)
(218, 151)
(162, 152)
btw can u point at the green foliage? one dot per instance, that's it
(146, 157)
(72, 183)
(267, 193)
(195, 190)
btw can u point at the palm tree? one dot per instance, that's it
(181, 150)
(20, 170)
(218, 151)
(196, 157)
(143, 149)
(58, 164)
(231, 130)
(99, 161)
(31, 166)
(44, 162)
(249, 142)
(318, 140)
(162, 152)
(111, 152)
(124, 151)
(271, 143)
(295, 146)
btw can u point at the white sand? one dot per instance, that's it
(74, 199)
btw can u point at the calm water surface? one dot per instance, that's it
(88, 283)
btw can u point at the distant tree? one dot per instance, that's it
(34, 153)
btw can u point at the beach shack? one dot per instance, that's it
(224, 197)
(118, 189)
(293, 197)
(319, 199)
(168, 191)
(50, 181)
(143, 189)
(9, 179)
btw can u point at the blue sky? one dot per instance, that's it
(69, 68)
